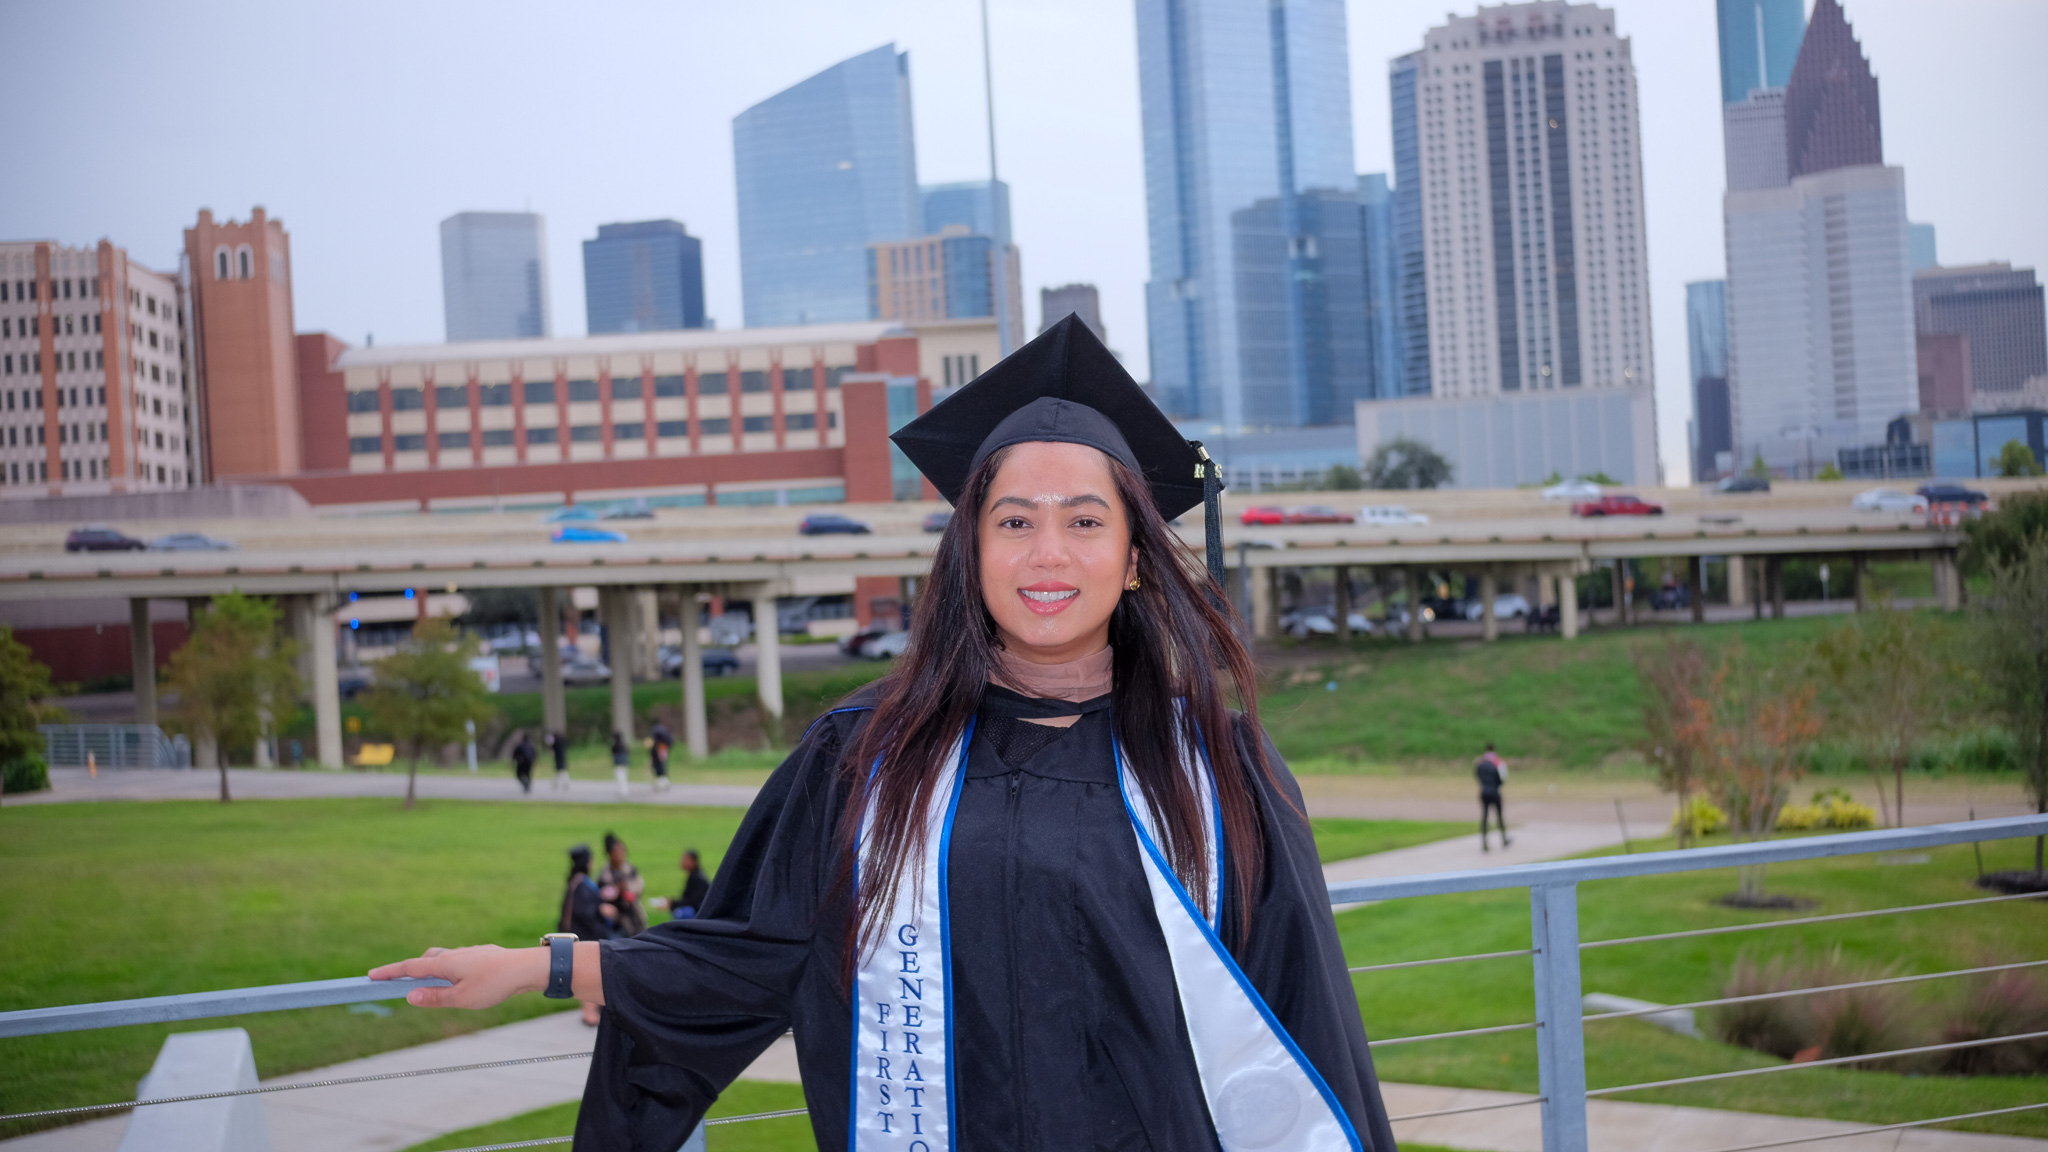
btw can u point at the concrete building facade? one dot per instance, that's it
(494, 276)
(1508, 439)
(1082, 300)
(239, 278)
(1999, 309)
(951, 276)
(95, 386)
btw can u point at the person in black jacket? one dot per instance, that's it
(696, 886)
(1491, 772)
(585, 913)
(522, 762)
(558, 743)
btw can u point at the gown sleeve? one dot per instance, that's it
(691, 1003)
(1293, 956)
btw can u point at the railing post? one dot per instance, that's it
(1560, 1029)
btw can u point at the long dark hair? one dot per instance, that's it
(1174, 641)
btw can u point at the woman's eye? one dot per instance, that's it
(1087, 522)
(1013, 523)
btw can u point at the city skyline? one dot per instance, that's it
(1066, 96)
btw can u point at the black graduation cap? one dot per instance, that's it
(1064, 386)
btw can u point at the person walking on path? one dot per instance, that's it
(522, 762)
(659, 742)
(585, 915)
(621, 886)
(558, 743)
(622, 762)
(1492, 772)
(696, 885)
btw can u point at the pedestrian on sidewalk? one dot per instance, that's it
(696, 886)
(622, 762)
(659, 742)
(1492, 772)
(620, 885)
(558, 743)
(585, 915)
(522, 762)
(1041, 887)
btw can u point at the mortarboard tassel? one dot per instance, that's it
(1212, 511)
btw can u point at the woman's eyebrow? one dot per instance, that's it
(1059, 501)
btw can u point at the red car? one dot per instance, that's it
(1264, 514)
(1317, 514)
(1617, 506)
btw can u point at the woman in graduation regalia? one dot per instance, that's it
(1039, 888)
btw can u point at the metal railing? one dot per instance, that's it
(1554, 952)
(113, 746)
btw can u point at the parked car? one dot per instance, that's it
(1316, 514)
(714, 661)
(1397, 615)
(937, 521)
(630, 510)
(853, 644)
(1302, 623)
(189, 542)
(1888, 500)
(887, 646)
(1744, 482)
(1441, 608)
(1506, 606)
(516, 640)
(1572, 490)
(1621, 505)
(353, 682)
(1264, 514)
(569, 512)
(585, 534)
(578, 670)
(829, 523)
(100, 538)
(1951, 494)
(1388, 515)
(1670, 597)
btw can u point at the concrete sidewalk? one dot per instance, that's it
(1531, 843)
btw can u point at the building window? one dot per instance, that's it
(759, 424)
(668, 385)
(360, 400)
(633, 431)
(357, 445)
(671, 428)
(497, 438)
(625, 387)
(451, 396)
(582, 390)
(246, 262)
(220, 270)
(540, 435)
(540, 391)
(753, 381)
(156, 373)
(796, 379)
(711, 384)
(833, 375)
(407, 400)
(450, 440)
(494, 395)
(800, 421)
(718, 426)
(586, 433)
(412, 442)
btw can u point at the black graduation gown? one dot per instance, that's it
(1068, 1025)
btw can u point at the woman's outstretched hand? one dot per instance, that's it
(480, 977)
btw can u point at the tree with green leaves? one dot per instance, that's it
(234, 673)
(426, 694)
(24, 688)
(2015, 461)
(1890, 682)
(1762, 724)
(1677, 718)
(1829, 471)
(1343, 478)
(1406, 463)
(2002, 536)
(2012, 651)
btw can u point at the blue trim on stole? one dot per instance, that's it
(1223, 954)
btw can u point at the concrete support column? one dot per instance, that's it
(1414, 578)
(768, 661)
(324, 684)
(613, 609)
(1342, 584)
(1568, 605)
(1774, 578)
(554, 706)
(142, 654)
(696, 731)
(1620, 593)
(646, 618)
(1696, 587)
(1489, 623)
(1265, 583)
(1859, 577)
(1738, 581)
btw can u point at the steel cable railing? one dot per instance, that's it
(1873, 1130)
(711, 1122)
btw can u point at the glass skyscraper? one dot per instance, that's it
(1382, 287)
(968, 204)
(1255, 305)
(646, 276)
(824, 169)
(494, 275)
(1411, 279)
(1706, 342)
(1759, 42)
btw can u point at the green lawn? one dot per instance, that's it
(1341, 839)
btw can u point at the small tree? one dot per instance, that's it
(1677, 718)
(2013, 644)
(2016, 461)
(2003, 535)
(1758, 468)
(1890, 684)
(233, 674)
(426, 693)
(1829, 471)
(1343, 478)
(1764, 721)
(24, 686)
(1406, 463)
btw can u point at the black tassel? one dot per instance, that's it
(1212, 511)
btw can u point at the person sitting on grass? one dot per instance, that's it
(585, 915)
(695, 886)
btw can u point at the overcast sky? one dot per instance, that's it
(362, 125)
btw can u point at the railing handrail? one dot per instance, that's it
(199, 1005)
(1688, 859)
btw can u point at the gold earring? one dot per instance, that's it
(1132, 586)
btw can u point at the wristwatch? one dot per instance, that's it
(561, 963)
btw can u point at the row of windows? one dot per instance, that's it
(241, 267)
(412, 399)
(66, 397)
(32, 362)
(585, 433)
(83, 288)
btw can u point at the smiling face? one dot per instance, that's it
(1055, 551)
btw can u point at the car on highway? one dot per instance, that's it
(1950, 494)
(568, 513)
(1618, 505)
(189, 542)
(714, 661)
(636, 509)
(1264, 514)
(585, 534)
(937, 521)
(1506, 606)
(1888, 500)
(1572, 490)
(1316, 514)
(1388, 516)
(1744, 482)
(831, 523)
(100, 538)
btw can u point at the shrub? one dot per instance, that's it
(1773, 1026)
(1831, 808)
(1997, 1004)
(28, 774)
(1699, 817)
(1847, 1023)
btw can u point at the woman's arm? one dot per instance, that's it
(487, 975)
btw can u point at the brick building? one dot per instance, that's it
(240, 279)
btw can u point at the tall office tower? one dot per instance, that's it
(1532, 194)
(1759, 42)
(1920, 246)
(1254, 303)
(968, 204)
(1382, 294)
(244, 354)
(1821, 353)
(95, 393)
(824, 169)
(1706, 342)
(1411, 267)
(494, 276)
(643, 277)
(950, 276)
(1753, 141)
(1056, 304)
(1998, 310)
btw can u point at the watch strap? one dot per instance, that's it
(561, 965)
